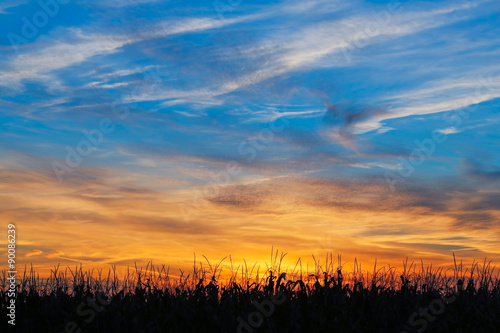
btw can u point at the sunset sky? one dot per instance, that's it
(139, 129)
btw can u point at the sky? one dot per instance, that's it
(142, 130)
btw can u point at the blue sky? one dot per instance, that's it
(329, 109)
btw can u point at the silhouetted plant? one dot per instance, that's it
(327, 300)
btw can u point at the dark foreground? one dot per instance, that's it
(385, 301)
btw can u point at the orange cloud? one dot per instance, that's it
(34, 253)
(120, 217)
(55, 254)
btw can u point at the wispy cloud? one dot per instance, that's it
(39, 64)
(443, 96)
(6, 4)
(314, 46)
(449, 130)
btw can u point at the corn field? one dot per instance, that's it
(218, 298)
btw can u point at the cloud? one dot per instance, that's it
(475, 221)
(449, 130)
(55, 254)
(341, 120)
(432, 247)
(40, 63)
(34, 253)
(309, 48)
(7, 4)
(440, 96)
(486, 172)
(122, 3)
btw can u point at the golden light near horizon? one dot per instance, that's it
(138, 227)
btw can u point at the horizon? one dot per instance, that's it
(145, 130)
(229, 267)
